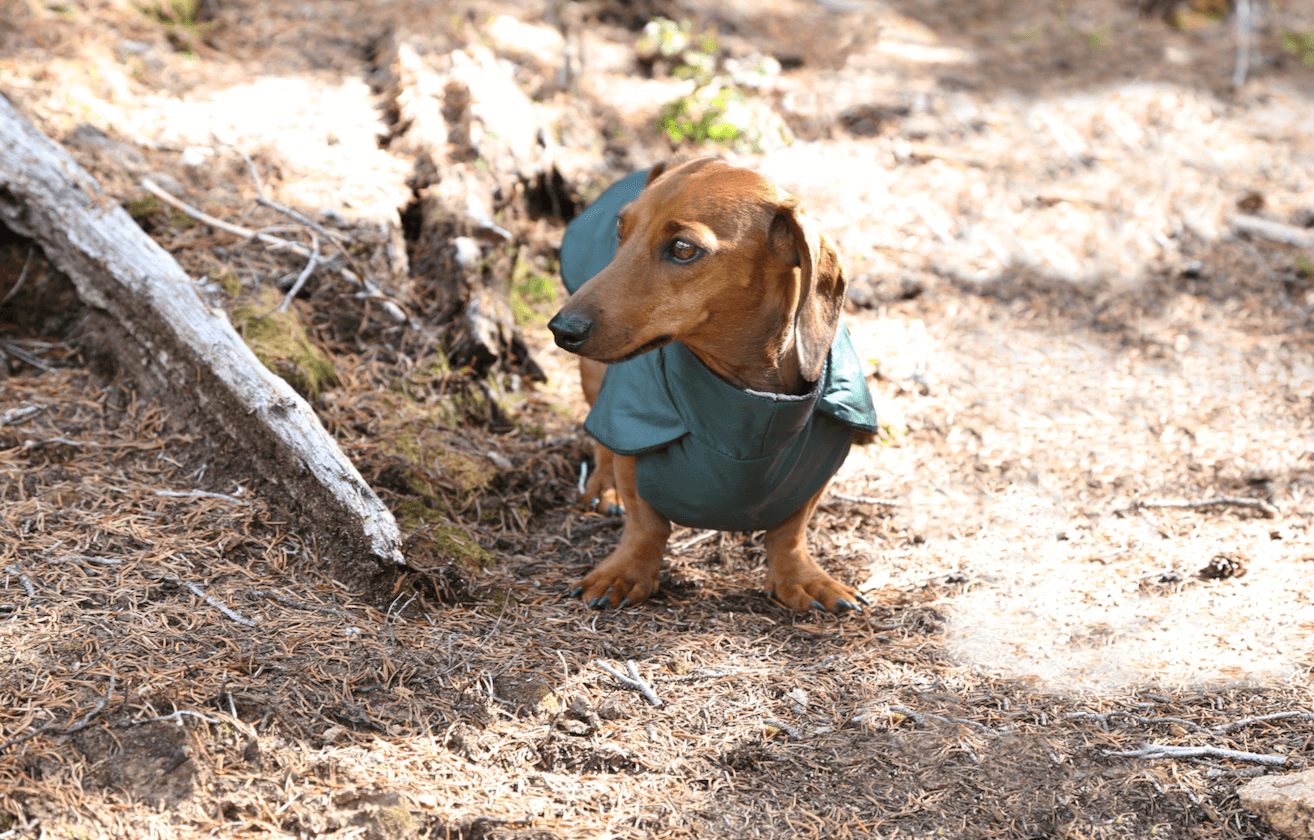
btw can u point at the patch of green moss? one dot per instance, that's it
(471, 473)
(532, 292)
(143, 206)
(443, 540)
(229, 283)
(1300, 43)
(183, 12)
(281, 343)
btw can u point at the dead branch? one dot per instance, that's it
(22, 275)
(393, 309)
(588, 529)
(297, 605)
(863, 500)
(23, 579)
(920, 718)
(1217, 501)
(633, 681)
(95, 710)
(1169, 751)
(1274, 231)
(261, 199)
(170, 336)
(1229, 728)
(205, 218)
(1244, 26)
(311, 263)
(199, 494)
(1104, 717)
(794, 734)
(14, 416)
(215, 602)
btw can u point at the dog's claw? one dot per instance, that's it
(576, 592)
(599, 602)
(862, 600)
(616, 510)
(626, 603)
(842, 606)
(817, 605)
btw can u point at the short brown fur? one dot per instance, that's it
(759, 307)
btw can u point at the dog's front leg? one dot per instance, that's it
(793, 577)
(629, 575)
(600, 493)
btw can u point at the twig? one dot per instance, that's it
(297, 605)
(199, 494)
(633, 681)
(922, 717)
(14, 416)
(176, 716)
(864, 500)
(1229, 728)
(1168, 751)
(1273, 231)
(1104, 717)
(304, 276)
(794, 734)
(286, 211)
(1244, 24)
(246, 233)
(22, 275)
(695, 540)
(602, 523)
(362, 279)
(95, 710)
(23, 579)
(702, 674)
(1216, 501)
(215, 602)
(24, 356)
(100, 705)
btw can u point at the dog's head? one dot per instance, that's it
(717, 257)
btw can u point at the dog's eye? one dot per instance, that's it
(684, 251)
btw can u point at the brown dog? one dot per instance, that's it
(719, 260)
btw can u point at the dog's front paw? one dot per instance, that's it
(601, 496)
(614, 584)
(816, 591)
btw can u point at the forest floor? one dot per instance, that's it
(1092, 522)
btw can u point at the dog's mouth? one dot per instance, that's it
(641, 349)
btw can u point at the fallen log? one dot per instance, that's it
(179, 350)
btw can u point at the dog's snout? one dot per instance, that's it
(570, 331)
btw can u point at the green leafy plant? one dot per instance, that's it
(699, 120)
(1300, 42)
(719, 109)
(1306, 265)
(180, 12)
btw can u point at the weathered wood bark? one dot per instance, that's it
(181, 350)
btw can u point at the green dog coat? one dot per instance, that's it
(708, 454)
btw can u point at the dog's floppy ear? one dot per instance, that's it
(657, 170)
(821, 282)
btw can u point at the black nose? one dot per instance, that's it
(570, 331)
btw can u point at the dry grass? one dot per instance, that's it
(176, 661)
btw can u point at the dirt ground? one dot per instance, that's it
(1065, 328)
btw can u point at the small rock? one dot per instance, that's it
(1285, 801)
(194, 156)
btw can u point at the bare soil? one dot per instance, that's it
(1064, 327)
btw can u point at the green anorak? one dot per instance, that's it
(708, 454)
